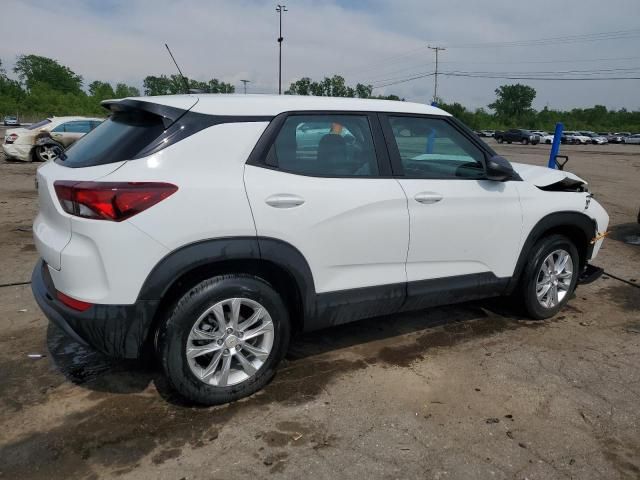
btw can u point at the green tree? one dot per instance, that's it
(101, 90)
(513, 102)
(153, 85)
(34, 69)
(216, 86)
(123, 90)
(328, 87)
(300, 87)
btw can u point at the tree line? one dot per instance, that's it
(44, 87)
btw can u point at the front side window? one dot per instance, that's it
(325, 145)
(433, 148)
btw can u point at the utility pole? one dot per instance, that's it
(245, 85)
(280, 9)
(435, 87)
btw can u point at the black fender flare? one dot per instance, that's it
(556, 220)
(207, 252)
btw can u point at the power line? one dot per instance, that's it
(382, 77)
(589, 37)
(417, 75)
(538, 78)
(504, 76)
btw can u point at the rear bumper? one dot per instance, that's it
(116, 330)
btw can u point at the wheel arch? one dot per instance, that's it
(275, 261)
(578, 227)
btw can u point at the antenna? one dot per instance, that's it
(186, 83)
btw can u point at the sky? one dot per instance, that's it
(369, 41)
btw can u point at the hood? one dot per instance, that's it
(543, 176)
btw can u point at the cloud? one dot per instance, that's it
(367, 41)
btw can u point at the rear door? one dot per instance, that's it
(461, 224)
(324, 186)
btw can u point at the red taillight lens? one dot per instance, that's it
(115, 201)
(11, 138)
(73, 303)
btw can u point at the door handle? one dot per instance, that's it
(428, 197)
(284, 200)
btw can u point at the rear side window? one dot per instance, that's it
(118, 138)
(325, 145)
(433, 148)
(39, 124)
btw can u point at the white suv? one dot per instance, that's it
(211, 227)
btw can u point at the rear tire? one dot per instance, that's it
(561, 278)
(200, 340)
(524, 141)
(499, 139)
(44, 153)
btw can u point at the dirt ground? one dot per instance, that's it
(469, 391)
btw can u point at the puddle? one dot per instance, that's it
(118, 431)
(632, 240)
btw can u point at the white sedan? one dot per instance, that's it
(43, 141)
(577, 138)
(545, 137)
(633, 139)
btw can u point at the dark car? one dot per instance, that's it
(518, 135)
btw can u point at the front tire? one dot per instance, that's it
(550, 277)
(224, 339)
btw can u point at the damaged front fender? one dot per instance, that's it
(549, 179)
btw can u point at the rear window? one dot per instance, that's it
(120, 137)
(41, 123)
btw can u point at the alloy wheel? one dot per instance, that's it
(230, 342)
(554, 278)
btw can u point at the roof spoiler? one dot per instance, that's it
(169, 114)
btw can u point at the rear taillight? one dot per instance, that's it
(115, 201)
(78, 305)
(11, 138)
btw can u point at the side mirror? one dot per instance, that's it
(499, 169)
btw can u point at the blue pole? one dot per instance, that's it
(431, 140)
(555, 148)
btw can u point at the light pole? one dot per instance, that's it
(245, 85)
(435, 87)
(280, 9)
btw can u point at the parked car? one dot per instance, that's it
(209, 228)
(45, 140)
(632, 139)
(11, 121)
(577, 138)
(517, 135)
(545, 137)
(487, 133)
(596, 138)
(615, 138)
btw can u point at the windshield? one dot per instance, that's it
(41, 123)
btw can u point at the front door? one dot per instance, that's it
(462, 226)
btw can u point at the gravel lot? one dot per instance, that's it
(470, 391)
